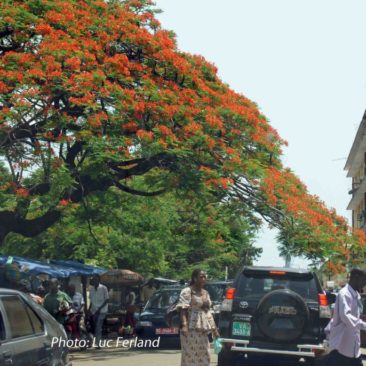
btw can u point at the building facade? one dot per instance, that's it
(356, 169)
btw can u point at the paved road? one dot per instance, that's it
(125, 357)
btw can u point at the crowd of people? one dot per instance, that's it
(59, 299)
(195, 317)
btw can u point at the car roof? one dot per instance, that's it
(280, 269)
(169, 287)
(219, 282)
(8, 291)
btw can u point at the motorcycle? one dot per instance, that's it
(75, 330)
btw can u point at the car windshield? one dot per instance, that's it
(258, 284)
(162, 299)
(216, 291)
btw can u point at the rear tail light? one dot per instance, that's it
(227, 304)
(230, 293)
(324, 308)
(280, 273)
(323, 300)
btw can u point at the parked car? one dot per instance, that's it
(152, 323)
(217, 290)
(29, 335)
(273, 314)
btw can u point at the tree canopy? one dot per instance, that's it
(167, 235)
(94, 94)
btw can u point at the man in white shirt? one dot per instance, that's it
(77, 298)
(78, 305)
(345, 326)
(147, 291)
(98, 306)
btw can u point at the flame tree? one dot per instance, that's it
(96, 93)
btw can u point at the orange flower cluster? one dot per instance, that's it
(22, 193)
(328, 231)
(92, 64)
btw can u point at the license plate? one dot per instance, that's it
(242, 329)
(166, 331)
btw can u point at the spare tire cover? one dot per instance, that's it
(282, 315)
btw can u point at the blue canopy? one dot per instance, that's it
(67, 269)
(83, 269)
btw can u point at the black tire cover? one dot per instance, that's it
(282, 315)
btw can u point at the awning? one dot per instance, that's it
(81, 268)
(68, 269)
(121, 277)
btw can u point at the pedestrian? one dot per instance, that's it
(148, 290)
(131, 297)
(345, 325)
(57, 302)
(129, 322)
(98, 307)
(196, 321)
(78, 305)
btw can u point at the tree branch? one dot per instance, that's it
(12, 223)
(127, 189)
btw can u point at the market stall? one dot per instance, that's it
(123, 288)
(30, 275)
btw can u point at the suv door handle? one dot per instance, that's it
(47, 346)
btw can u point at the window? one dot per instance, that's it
(258, 284)
(162, 300)
(216, 291)
(36, 322)
(19, 322)
(2, 328)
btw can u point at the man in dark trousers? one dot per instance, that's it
(98, 307)
(345, 326)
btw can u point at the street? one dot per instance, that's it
(118, 357)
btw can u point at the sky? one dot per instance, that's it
(303, 63)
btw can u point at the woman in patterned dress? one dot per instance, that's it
(196, 321)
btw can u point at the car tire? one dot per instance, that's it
(267, 318)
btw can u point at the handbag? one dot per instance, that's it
(172, 315)
(217, 343)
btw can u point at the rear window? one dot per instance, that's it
(258, 284)
(19, 322)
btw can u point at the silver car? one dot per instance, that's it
(29, 335)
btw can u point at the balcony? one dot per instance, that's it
(355, 187)
(358, 190)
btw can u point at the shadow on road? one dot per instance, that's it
(114, 353)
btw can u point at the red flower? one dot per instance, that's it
(22, 192)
